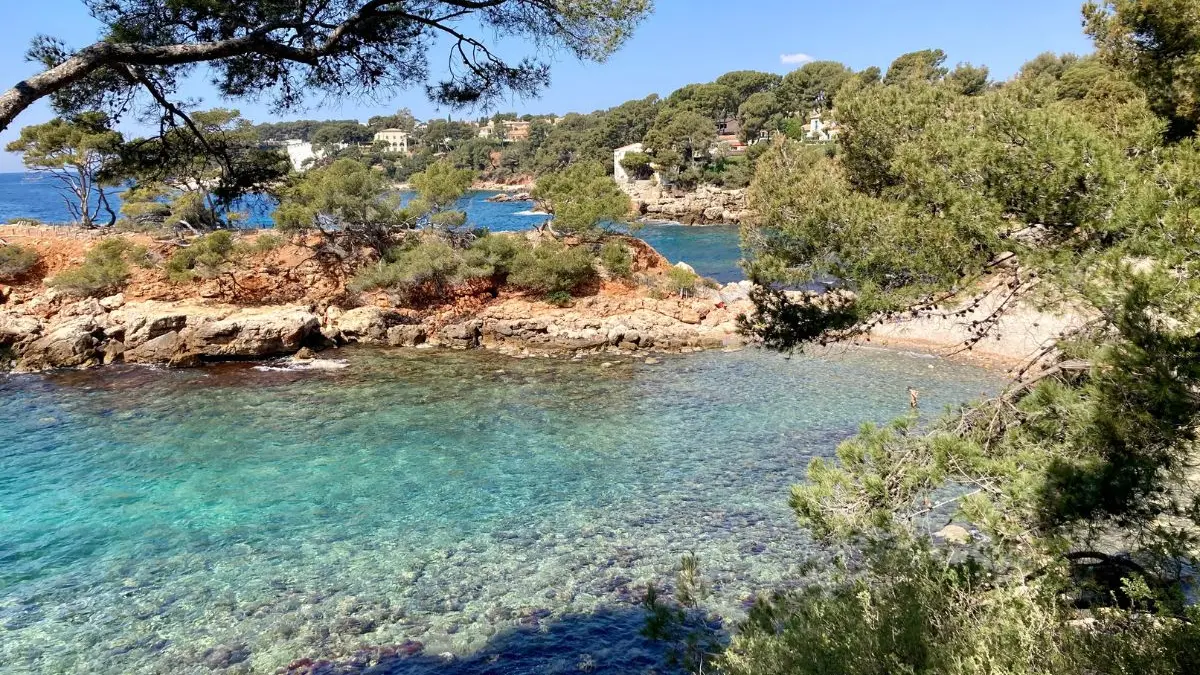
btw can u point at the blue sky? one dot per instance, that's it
(684, 41)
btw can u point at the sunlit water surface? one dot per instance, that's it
(232, 520)
(713, 251)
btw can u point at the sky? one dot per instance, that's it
(682, 42)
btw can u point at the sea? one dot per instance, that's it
(449, 512)
(713, 251)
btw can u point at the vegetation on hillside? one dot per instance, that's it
(15, 261)
(1070, 186)
(104, 271)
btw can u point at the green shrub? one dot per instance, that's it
(206, 257)
(682, 281)
(638, 164)
(105, 269)
(551, 267)
(559, 298)
(496, 251)
(16, 261)
(617, 259)
(583, 198)
(265, 243)
(427, 269)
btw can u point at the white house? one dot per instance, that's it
(619, 172)
(821, 131)
(396, 140)
(299, 152)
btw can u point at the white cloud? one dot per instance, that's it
(797, 59)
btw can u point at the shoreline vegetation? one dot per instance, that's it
(1048, 222)
(279, 300)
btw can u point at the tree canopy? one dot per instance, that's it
(292, 50)
(1069, 188)
(79, 154)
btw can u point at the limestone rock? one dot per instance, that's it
(17, 328)
(406, 336)
(161, 349)
(67, 344)
(113, 301)
(112, 351)
(465, 335)
(253, 334)
(365, 324)
(90, 307)
(141, 327)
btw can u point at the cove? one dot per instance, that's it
(510, 512)
(713, 250)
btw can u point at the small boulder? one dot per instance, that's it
(406, 336)
(113, 351)
(305, 354)
(363, 324)
(954, 534)
(463, 335)
(162, 349)
(113, 301)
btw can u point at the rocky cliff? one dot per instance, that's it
(706, 205)
(277, 306)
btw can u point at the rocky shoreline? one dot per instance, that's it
(89, 333)
(308, 308)
(706, 205)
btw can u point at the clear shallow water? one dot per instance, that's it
(174, 521)
(713, 251)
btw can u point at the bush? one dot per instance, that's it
(617, 259)
(682, 281)
(424, 271)
(265, 243)
(497, 252)
(105, 269)
(638, 164)
(551, 268)
(16, 261)
(206, 257)
(559, 298)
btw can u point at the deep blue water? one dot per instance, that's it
(508, 511)
(713, 251)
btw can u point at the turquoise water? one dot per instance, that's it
(712, 251)
(509, 512)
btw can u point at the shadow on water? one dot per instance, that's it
(607, 641)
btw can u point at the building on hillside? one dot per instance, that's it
(619, 172)
(300, 153)
(729, 141)
(766, 136)
(516, 130)
(396, 140)
(820, 130)
(729, 126)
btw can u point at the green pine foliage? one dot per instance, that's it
(104, 271)
(552, 268)
(16, 261)
(1069, 187)
(584, 199)
(617, 259)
